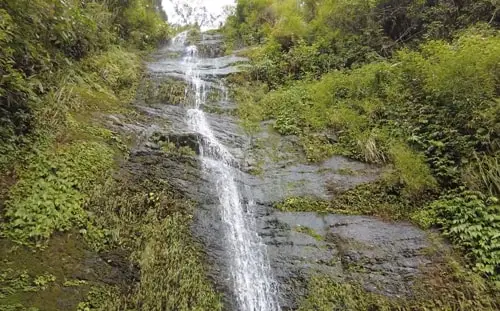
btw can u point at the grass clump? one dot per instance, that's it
(118, 69)
(412, 171)
(153, 225)
(310, 232)
(165, 91)
(325, 294)
(303, 204)
(169, 263)
(172, 149)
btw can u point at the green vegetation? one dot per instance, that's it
(165, 91)
(153, 225)
(65, 66)
(13, 281)
(171, 149)
(50, 193)
(408, 85)
(61, 63)
(310, 232)
(52, 48)
(472, 221)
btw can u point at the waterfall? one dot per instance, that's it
(252, 279)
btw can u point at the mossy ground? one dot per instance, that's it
(69, 270)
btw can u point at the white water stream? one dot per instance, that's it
(253, 283)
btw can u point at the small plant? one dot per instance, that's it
(42, 281)
(182, 151)
(309, 232)
(74, 283)
(303, 204)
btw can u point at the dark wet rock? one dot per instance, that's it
(331, 137)
(211, 45)
(207, 227)
(190, 140)
(383, 257)
(278, 182)
(121, 267)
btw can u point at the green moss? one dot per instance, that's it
(346, 171)
(303, 204)
(183, 151)
(310, 232)
(46, 271)
(325, 295)
(166, 91)
(101, 298)
(383, 198)
(12, 281)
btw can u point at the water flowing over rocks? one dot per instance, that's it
(384, 257)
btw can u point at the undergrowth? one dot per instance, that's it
(153, 224)
(51, 191)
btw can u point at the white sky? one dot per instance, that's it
(215, 10)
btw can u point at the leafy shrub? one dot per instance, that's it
(52, 190)
(166, 246)
(142, 25)
(153, 224)
(471, 220)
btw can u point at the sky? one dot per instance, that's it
(208, 13)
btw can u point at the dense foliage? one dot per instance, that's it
(412, 85)
(41, 40)
(64, 66)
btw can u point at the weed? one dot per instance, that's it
(310, 232)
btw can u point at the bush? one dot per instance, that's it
(118, 69)
(51, 191)
(471, 220)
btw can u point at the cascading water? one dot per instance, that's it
(253, 283)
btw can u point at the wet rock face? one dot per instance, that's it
(211, 45)
(383, 257)
(190, 140)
